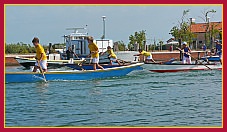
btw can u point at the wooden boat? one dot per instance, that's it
(16, 77)
(27, 62)
(177, 67)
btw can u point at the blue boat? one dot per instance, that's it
(211, 58)
(19, 77)
(90, 67)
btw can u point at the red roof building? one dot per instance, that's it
(200, 30)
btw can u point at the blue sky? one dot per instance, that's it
(49, 22)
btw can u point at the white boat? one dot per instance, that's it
(77, 40)
(27, 62)
(177, 67)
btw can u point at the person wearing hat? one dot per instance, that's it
(219, 49)
(94, 52)
(187, 56)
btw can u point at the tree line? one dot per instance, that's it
(22, 48)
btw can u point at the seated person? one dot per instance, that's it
(112, 56)
(147, 55)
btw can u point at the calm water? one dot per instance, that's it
(141, 98)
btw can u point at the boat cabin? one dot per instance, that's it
(77, 40)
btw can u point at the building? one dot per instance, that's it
(204, 33)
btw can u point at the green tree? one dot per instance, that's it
(19, 48)
(182, 31)
(175, 32)
(121, 45)
(139, 38)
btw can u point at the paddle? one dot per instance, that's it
(194, 58)
(168, 62)
(81, 63)
(41, 70)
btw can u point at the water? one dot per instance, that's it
(141, 98)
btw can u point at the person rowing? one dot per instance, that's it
(41, 58)
(148, 56)
(94, 53)
(187, 51)
(111, 56)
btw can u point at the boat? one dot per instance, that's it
(86, 66)
(27, 62)
(211, 58)
(89, 66)
(178, 67)
(77, 40)
(19, 77)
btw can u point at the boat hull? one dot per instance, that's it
(89, 67)
(180, 67)
(211, 58)
(16, 77)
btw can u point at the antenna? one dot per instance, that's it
(75, 29)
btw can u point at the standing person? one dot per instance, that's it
(219, 49)
(187, 51)
(70, 53)
(148, 55)
(171, 48)
(112, 56)
(94, 52)
(204, 49)
(41, 59)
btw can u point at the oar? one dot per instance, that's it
(195, 59)
(168, 62)
(81, 64)
(41, 70)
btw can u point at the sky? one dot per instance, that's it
(49, 22)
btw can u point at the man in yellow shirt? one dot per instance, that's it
(147, 55)
(41, 58)
(94, 53)
(112, 56)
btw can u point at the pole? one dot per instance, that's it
(103, 18)
(181, 57)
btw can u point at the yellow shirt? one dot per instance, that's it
(145, 53)
(111, 53)
(39, 51)
(94, 47)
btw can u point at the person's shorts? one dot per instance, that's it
(43, 64)
(186, 60)
(95, 60)
(149, 57)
